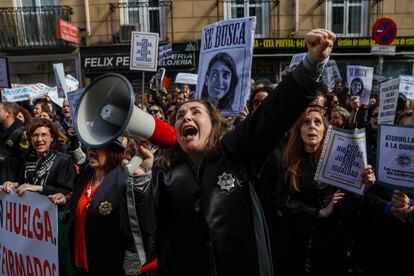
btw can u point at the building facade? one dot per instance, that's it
(105, 28)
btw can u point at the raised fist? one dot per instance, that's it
(320, 43)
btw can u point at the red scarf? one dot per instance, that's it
(81, 258)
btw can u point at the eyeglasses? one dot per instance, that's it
(374, 115)
(154, 111)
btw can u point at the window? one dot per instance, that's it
(245, 8)
(36, 24)
(348, 17)
(145, 16)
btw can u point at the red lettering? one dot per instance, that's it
(48, 229)
(38, 267)
(24, 221)
(3, 260)
(17, 221)
(9, 216)
(18, 258)
(53, 269)
(37, 227)
(29, 266)
(11, 263)
(46, 265)
(29, 230)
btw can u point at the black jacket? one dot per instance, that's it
(10, 139)
(210, 221)
(107, 231)
(60, 176)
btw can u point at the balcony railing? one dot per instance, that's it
(145, 16)
(29, 27)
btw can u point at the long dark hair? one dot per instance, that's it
(229, 97)
(293, 155)
(220, 127)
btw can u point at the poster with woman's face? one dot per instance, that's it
(360, 81)
(225, 64)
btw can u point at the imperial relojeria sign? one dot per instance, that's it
(121, 62)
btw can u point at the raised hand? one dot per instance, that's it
(320, 43)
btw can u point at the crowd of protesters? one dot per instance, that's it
(234, 196)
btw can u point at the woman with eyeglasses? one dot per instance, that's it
(42, 168)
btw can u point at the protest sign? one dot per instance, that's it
(73, 99)
(296, 59)
(395, 156)
(331, 74)
(23, 92)
(359, 80)
(343, 159)
(164, 52)
(407, 87)
(144, 51)
(28, 235)
(388, 101)
(60, 79)
(225, 64)
(186, 78)
(4, 72)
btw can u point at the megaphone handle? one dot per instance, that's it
(134, 163)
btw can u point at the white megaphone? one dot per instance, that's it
(106, 111)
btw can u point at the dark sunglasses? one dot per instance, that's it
(374, 115)
(154, 111)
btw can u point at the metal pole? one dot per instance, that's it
(380, 64)
(142, 89)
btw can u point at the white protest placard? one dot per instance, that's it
(224, 69)
(73, 99)
(23, 92)
(4, 72)
(186, 78)
(331, 74)
(144, 51)
(395, 156)
(296, 59)
(388, 101)
(28, 235)
(359, 80)
(407, 87)
(164, 51)
(60, 79)
(342, 160)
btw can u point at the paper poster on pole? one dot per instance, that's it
(388, 101)
(164, 51)
(395, 156)
(28, 235)
(296, 59)
(144, 51)
(331, 74)
(73, 99)
(359, 80)
(407, 87)
(224, 69)
(343, 159)
(60, 79)
(4, 72)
